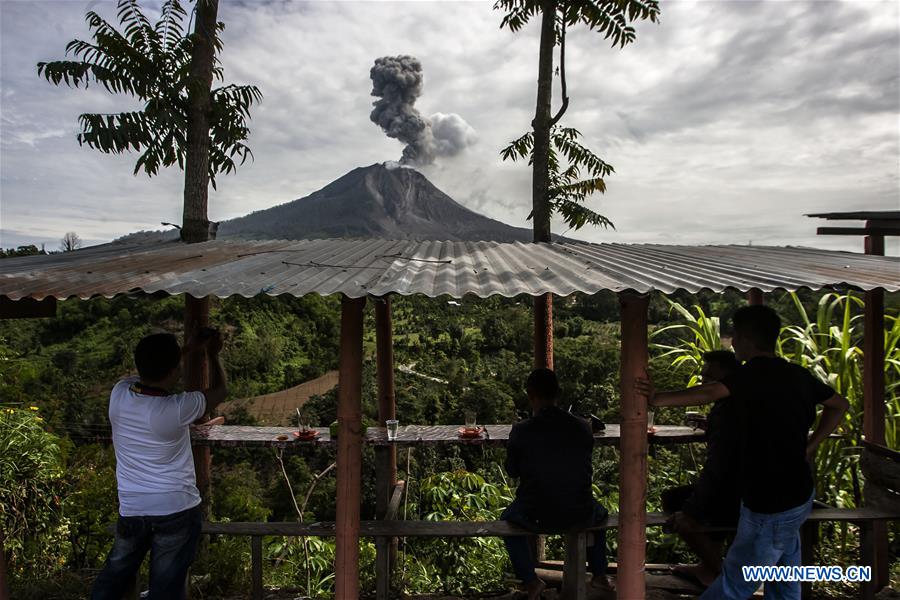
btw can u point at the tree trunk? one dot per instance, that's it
(195, 223)
(540, 183)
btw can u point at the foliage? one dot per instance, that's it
(27, 250)
(31, 471)
(557, 189)
(236, 494)
(90, 504)
(829, 345)
(152, 63)
(568, 191)
(611, 18)
(465, 566)
(703, 335)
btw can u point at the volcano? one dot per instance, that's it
(375, 201)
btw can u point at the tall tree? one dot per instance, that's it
(70, 242)
(183, 120)
(556, 189)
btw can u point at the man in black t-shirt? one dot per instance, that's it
(715, 498)
(776, 402)
(550, 455)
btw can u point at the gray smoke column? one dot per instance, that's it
(397, 81)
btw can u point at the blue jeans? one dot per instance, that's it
(764, 540)
(172, 541)
(524, 563)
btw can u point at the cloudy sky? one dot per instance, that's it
(726, 122)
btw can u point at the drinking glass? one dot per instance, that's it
(470, 419)
(649, 420)
(392, 425)
(303, 422)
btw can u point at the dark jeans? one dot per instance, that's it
(520, 553)
(172, 542)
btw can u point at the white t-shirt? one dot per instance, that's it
(154, 464)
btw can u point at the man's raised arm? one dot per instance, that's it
(693, 396)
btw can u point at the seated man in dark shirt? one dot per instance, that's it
(776, 402)
(550, 454)
(715, 498)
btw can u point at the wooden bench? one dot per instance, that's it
(576, 542)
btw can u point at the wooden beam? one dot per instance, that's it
(27, 308)
(880, 231)
(494, 528)
(632, 449)
(394, 505)
(349, 450)
(755, 297)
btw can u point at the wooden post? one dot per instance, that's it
(196, 377)
(382, 499)
(385, 457)
(632, 449)
(755, 297)
(574, 584)
(256, 567)
(874, 402)
(543, 331)
(349, 450)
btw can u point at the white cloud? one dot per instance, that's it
(725, 123)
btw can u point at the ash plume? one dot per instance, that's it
(397, 81)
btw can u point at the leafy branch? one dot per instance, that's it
(575, 174)
(152, 63)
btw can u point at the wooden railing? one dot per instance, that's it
(574, 577)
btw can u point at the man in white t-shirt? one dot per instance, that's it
(158, 498)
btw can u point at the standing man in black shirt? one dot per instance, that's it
(550, 454)
(776, 402)
(715, 498)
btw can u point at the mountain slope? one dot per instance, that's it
(373, 201)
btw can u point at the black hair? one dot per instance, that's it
(543, 384)
(156, 355)
(759, 324)
(724, 358)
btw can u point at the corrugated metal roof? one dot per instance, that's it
(377, 267)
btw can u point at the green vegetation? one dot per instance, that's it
(57, 481)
